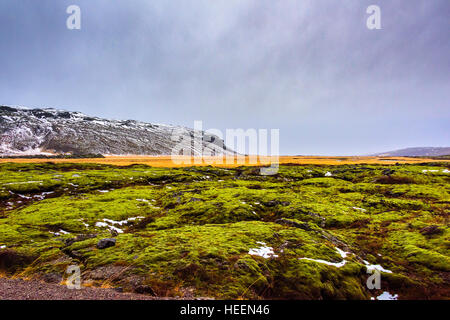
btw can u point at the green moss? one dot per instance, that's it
(194, 227)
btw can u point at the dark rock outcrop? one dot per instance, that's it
(106, 243)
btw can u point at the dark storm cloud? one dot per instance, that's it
(310, 68)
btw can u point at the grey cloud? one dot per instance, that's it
(308, 67)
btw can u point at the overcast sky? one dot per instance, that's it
(310, 68)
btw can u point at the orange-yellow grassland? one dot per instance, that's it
(180, 161)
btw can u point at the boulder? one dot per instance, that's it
(106, 243)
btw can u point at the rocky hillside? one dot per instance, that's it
(51, 131)
(416, 152)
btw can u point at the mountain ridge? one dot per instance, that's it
(416, 152)
(48, 131)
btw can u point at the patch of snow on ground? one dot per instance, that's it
(387, 296)
(424, 171)
(372, 267)
(2, 247)
(110, 224)
(134, 218)
(23, 197)
(342, 253)
(328, 174)
(336, 264)
(101, 224)
(263, 251)
(60, 232)
(42, 195)
(360, 209)
(84, 223)
(445, 171)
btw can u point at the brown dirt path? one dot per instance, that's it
(18, 289)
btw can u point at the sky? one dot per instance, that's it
(310, 68)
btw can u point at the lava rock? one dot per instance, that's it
(271, 203)
(430, 230)
(106, 243)
(143, 289)
(289, 223)
(388, 172)
(80, 237)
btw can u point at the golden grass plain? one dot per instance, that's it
(183, 161)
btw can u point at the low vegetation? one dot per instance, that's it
(308, 232)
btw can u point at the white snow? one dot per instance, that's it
(116, 229)
(387, 296)
(328, 174)
(60, 232)
(42, 195)
(372, 267)
(445, 171)
(342, 253)
(360, 209)
(2, 247)
(110, 224)
(134, 218)
(263, 251)
(84, 223)
(336, 264)
(101, 224)
(23, 197)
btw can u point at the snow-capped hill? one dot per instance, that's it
(51, 131)
(417, 152)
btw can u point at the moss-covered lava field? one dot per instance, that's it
(308, 232)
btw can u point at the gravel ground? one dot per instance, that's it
(17, 289)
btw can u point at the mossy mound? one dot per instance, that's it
(308, 232)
